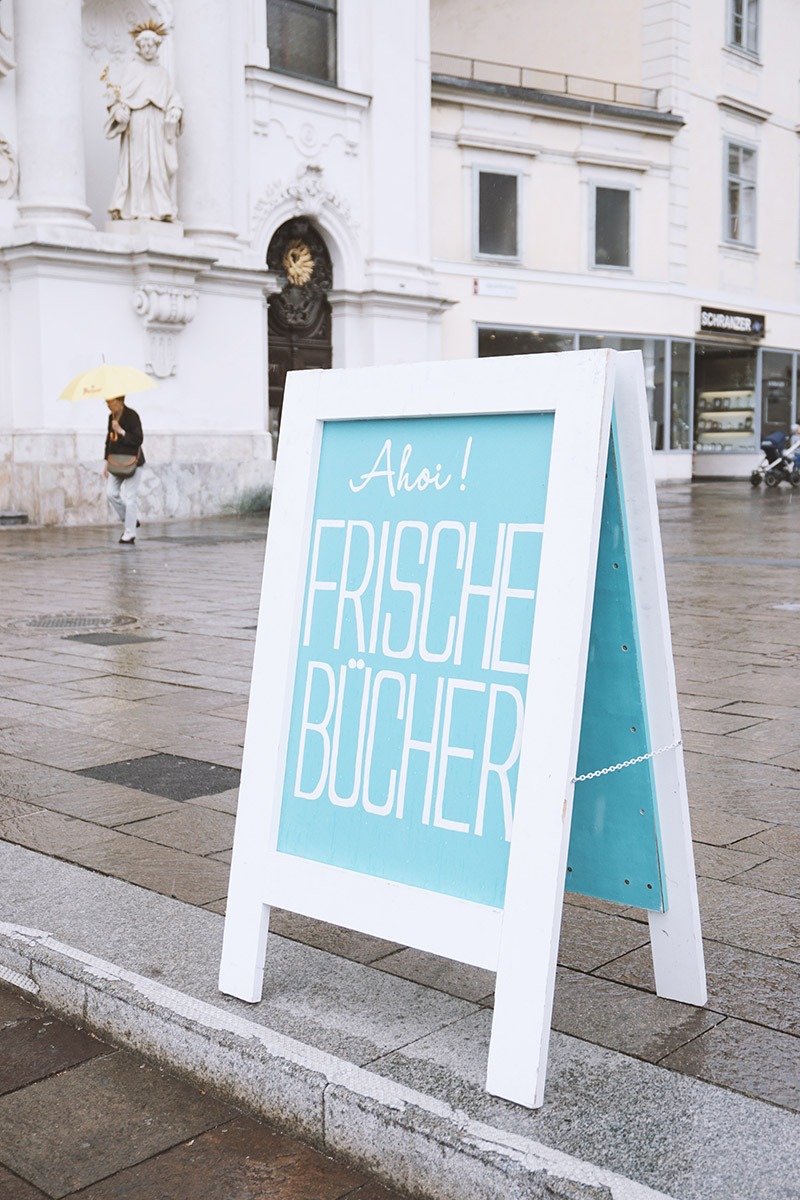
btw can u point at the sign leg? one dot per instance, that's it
(675, 935)
(244, 948)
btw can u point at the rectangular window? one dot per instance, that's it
(497, 203)
(740, 194)
(612, 227)
(680, 435)
(776, 392)
(302, 38)
(653, 351)
(743, 23)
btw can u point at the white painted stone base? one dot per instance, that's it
(51, 478)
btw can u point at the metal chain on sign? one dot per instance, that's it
(631, 762)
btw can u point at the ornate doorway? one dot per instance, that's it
(299, 314)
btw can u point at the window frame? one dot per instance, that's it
(610, 186)
(481, 255)
(743, 18)
(327, 6)
(728, 240)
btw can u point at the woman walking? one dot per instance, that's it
(124, 460)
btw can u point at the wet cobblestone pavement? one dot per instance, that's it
(79, 1118)
(92, 726)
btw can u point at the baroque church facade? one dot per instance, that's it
(354, 182)
(301, 236)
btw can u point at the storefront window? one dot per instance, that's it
(653, 358)
(776, 392)
(725, 383)
(492, 342)
(680, 407)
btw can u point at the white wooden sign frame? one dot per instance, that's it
(519, 941)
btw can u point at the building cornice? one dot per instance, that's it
(572, 107)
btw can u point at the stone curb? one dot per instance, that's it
(410, 1141)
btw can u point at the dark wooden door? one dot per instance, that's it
(299, 315)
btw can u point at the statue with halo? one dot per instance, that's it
(144, 112)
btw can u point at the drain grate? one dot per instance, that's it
(71, 621)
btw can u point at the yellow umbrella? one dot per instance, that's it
(106, 382)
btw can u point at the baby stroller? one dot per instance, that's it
(779, 463)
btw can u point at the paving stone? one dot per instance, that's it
(346, 943)
(168, 775)
(53, 833)
(771, 738)
(756, 1061)
(24, 780)
(122, 686)
(779, 875)
(457, 979)
(722, 747)
(108, 803)
(159, 868)
(589, 939)
(761, 711)
(624, 1018)
(753, 919)
(716, 862)
(14, 1188)
(44, 672)
(13, 1008)
(781, 840)
(741, 983)
(231, 712)
(61, 748)
(42, 1046)
(703, 721)
(226, 802)
(239, 1160)
(191, 828)
(229, 757)
(120, 1112)
(718, 828)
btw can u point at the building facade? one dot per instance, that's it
(360, 183)
(302, 208)
(633, 184)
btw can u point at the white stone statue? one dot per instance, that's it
(145, 113)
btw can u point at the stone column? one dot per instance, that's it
(49, 49)
(207, 54)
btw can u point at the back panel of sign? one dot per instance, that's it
(614, 850)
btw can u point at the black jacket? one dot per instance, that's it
(131, 442)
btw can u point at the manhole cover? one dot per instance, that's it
(68, 621)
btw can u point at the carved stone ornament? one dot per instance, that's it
(165, 310)
(106, 23)
(7, 63)
(165, 305)
(9, 170)
(308, 196)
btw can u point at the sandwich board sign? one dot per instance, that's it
(463, 626)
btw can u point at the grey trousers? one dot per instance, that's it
(123, 497)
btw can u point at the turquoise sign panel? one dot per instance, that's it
(415, 639)
(614, 850)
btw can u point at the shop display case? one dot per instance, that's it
(725, 420)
